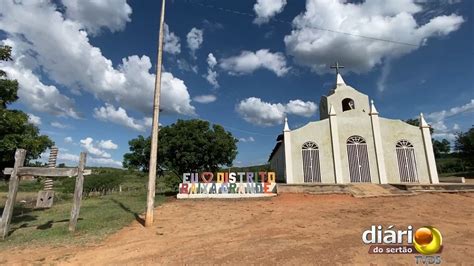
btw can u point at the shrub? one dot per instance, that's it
(101, 183)
(451, 166)
(168, 182)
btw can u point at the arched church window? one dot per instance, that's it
(358, 158)
(311, 166)
(356, 140)
(404, 144)
(348, 104)
(310, 145)
(406, 161)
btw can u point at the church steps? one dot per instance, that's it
(359, 190)
(445, 187)
(365, 190)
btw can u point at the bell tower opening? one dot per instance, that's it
(344, 98)
(348, 104)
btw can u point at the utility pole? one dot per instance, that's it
(154, 131)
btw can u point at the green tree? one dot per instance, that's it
(185, 146)
(465, 145)
(8, 88)
(416, 122)
(139, 157)
(15, 130)
(441, 147)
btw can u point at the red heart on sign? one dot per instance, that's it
(207, 174)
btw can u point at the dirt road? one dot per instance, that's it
(290, 229)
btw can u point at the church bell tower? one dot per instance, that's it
(345, 100)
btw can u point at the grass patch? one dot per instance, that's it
(26, 186)
(99, 217)
(459, 174)
(453, 165)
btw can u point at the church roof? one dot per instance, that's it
(278, 144)
(339, 80)
(340, 85)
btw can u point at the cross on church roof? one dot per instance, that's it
(337, 66)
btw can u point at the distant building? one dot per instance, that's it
(351, 143)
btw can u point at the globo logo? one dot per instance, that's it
(427, 240)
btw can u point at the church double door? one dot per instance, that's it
(406, 162)
(311, 166)
(358, 159)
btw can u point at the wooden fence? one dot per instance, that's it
(18, 170)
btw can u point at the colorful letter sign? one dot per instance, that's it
(227, 185)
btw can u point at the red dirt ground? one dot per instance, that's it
(291, 228)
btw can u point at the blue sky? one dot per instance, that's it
(86, 68)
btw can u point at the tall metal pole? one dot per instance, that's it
(154, 132)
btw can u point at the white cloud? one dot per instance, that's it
(95, 15)
(451, 137)
(205, 98)
(391, 19)
(139, 86)
(212, 25)
(68, 157)
(108, 145)
(211, 60)
(255, 111)
(186, 66)
(38, 96)
(105, 162)
(47, 36)
(298, 107)
(441, 131)
(119, 116)
(93, 161)
(266, 9)
(148, 122)
(33, 119)
(89, 146)
(73, 159)
(438, 121)
(68, 139)
(247, 62)
(194, 39)
(442, 115)
(60, 125)
(32, 92)
(211, 76)
(249, 139)
(382, 80)
(175, 96)
(171, 41)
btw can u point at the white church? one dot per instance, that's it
(351, 143)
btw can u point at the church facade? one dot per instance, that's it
(351, 143)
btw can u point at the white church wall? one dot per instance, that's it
(353, 119)
(350, 125)
(361, 102)
(393, 131)
(318, 132)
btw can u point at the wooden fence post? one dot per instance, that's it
(20, 155)
(78, 193)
